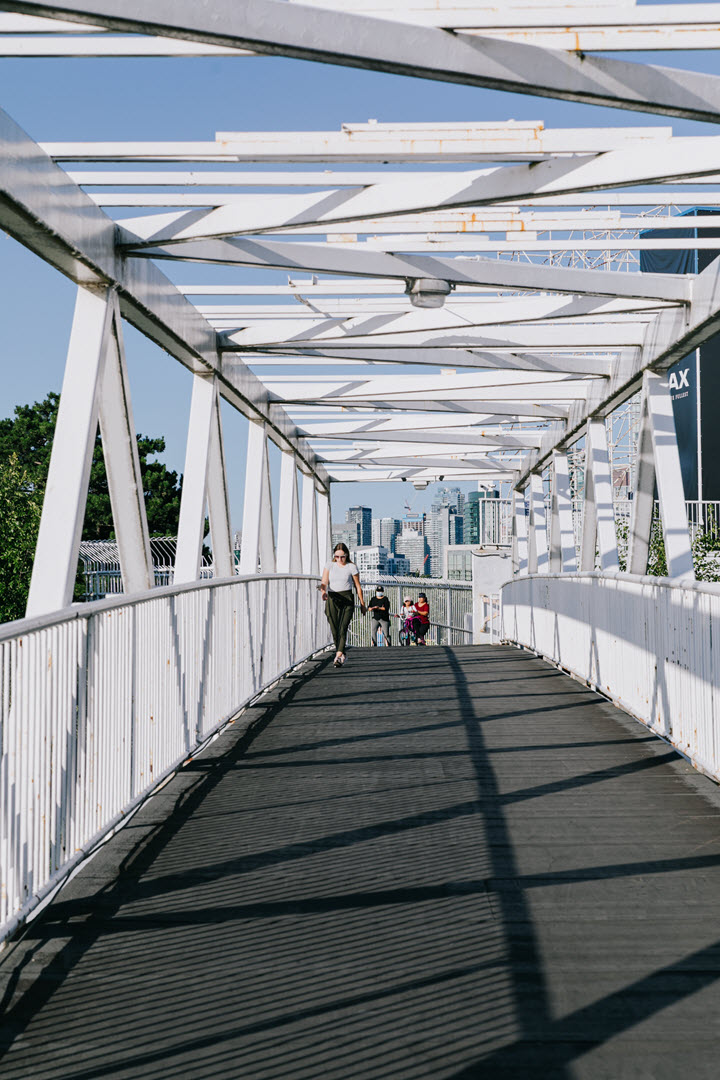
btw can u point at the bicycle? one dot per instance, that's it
(407, 636)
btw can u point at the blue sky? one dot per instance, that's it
(58, 99)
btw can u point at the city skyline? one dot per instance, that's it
(419, 541)
(389, 499)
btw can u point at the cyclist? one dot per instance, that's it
(408, 617)
(379, 608)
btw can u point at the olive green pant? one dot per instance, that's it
(339, 608)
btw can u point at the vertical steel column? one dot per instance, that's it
(538, 560)
(191, 526)
(644, 496)
(218, 498)
(289, 555)
(204, 480)
(63, 512)
(562, 536)
(309, 528)
(324, 527)
(671, 495)
(597, 462)
(519, 533)
(588, 539)
(258, 534)
(122, 463)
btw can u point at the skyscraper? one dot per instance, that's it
(414, 546)
(472, 518)
(384, 531)
(362, 517)
(444, 527)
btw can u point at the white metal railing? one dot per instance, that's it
(450, 603)
(649, 644)
(703, 517)
(101, 701)
(488, 614)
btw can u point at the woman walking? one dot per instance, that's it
(336, 590)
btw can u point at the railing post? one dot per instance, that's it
(597, 462)
(678, 549)
(562, 536)
(289, 555)
(538, 555)
(63, 512)
(258, 534)
(519, 533)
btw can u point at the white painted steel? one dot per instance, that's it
(598, 459)
(101, 701)
(537, 533)
(258, 546)
(651, 645)
(191, 527)
(122, 461)
(56, 554)
(562, 536)
(289, 553)
(668, 476)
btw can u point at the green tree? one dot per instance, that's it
(20, 506)
(25, 448)
(29, 435)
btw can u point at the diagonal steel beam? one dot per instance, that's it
(336, 259)
(277, 28)
(49, 214)
(446, 358)
(665, 161)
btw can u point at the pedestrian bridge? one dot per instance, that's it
(450, 863)
(219, 857)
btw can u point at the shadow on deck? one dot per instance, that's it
(440, 863)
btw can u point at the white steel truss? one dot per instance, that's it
(470, 289)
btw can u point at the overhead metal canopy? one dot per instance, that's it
(531, 238)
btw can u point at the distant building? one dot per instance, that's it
(414, 523)
(371, 560)
(414, 546)
(483, 518)
(444, 527)
(344, 533)
(472, 519)
(384, 531)
(361, 517)
(458, 562)
(398, 565)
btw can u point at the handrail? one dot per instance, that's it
(91, 607)
(646, 643)
(103, 700)
(711, 587)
